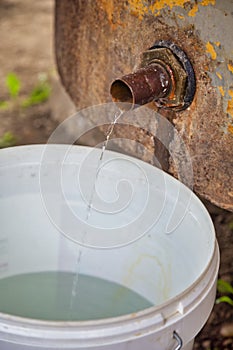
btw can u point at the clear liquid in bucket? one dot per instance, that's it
(46, 296)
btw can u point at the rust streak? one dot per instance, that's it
(112, 12)
(230, 129)
(230, 103)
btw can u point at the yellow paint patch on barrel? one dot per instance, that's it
(161, 4)
(230, 103)
(230, 129)
(210, 49)
(230, 67)
(138, 8)
(193, 11)
(222, 92)
(207, 2)
(180, 16)
(219, 75)
(141, 7)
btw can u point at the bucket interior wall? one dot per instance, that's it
(158, 265)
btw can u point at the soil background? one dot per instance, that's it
(26, 32)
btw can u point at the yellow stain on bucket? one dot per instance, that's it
(166, 273)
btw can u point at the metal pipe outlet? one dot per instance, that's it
(147, 84)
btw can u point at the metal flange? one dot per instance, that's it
(177, 63)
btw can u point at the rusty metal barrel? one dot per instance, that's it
(97, 42)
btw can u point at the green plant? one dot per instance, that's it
(7, 140)
(13, 85)
(4, 104)
(39, 94)
(224, 288)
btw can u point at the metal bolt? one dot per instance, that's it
(181, 71)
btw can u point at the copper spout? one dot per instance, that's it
(147, 84)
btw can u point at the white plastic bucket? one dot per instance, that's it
(176, 271)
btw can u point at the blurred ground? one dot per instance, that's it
(26, 31)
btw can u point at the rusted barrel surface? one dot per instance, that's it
(98, 41)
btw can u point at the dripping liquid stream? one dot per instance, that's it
(109, 132)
